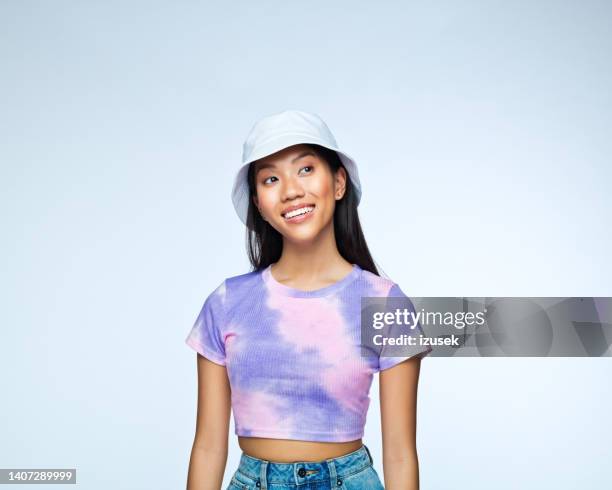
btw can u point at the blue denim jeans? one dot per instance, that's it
(352, 471)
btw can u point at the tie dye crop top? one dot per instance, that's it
(293, 357)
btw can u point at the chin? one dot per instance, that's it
(303, 235)
(300, 239)
(300, 235)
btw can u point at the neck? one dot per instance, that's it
(313, 259)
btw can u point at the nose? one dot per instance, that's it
(292, 189)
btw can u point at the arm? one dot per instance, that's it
(398, 404)
(210, 445)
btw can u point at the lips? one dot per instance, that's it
(296, 211)
(299, 215)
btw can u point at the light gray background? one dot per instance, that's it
(482, 131)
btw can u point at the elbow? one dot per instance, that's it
(406, 453)
(210, 445)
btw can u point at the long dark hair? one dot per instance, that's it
(265, 244)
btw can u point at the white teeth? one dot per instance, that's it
(297, 212)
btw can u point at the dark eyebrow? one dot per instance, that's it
(264, 164)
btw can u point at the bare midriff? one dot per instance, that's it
(290, 451)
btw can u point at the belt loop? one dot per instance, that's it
(369, 455)
(262, 475)
(332, 472)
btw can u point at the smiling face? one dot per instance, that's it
(297, 192)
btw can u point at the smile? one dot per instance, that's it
(298, 212)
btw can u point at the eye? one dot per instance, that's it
(309, 167)
(271, 177)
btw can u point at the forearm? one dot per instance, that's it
(206, 468)
(401, 473)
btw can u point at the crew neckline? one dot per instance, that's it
(279, 287)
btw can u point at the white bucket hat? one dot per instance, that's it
(276, 132)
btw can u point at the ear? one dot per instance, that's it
(339, 183)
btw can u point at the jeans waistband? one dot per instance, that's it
(267, 472)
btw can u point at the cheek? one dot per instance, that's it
(322, 188)
(324, 193)
(267, 200)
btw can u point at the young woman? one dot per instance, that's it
(281, 345)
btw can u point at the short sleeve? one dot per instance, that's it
(390, 355)
(205, 336)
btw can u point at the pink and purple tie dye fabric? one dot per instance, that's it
(293, 357)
